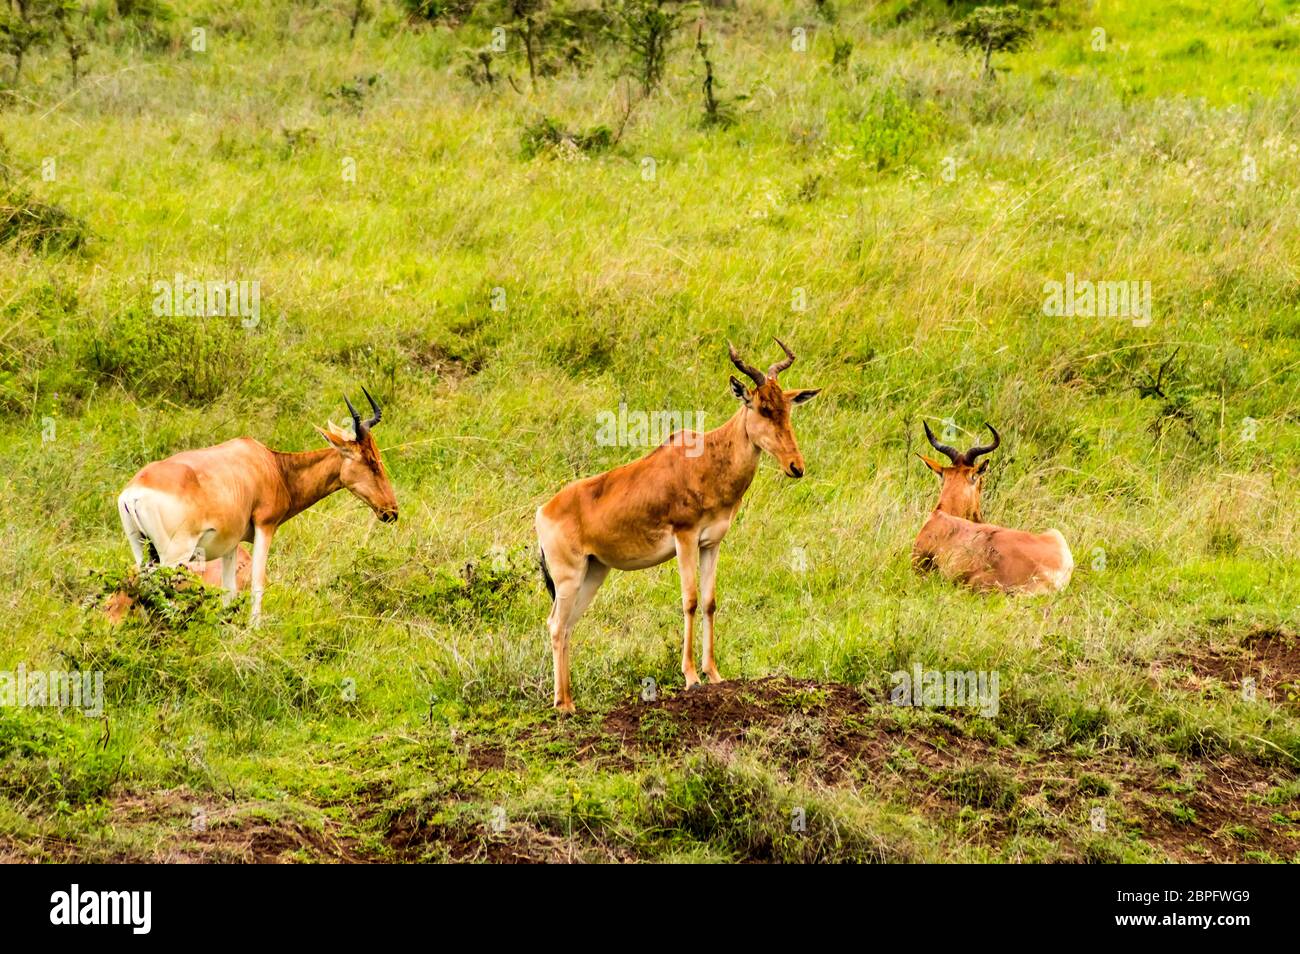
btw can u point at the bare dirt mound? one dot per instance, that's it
(831, 728)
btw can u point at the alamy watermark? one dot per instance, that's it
(630, 428)
(935, 689)
(1087, 299)
(203, 299)
(132, 909)
(24, 688)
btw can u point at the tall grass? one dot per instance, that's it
(495, 300)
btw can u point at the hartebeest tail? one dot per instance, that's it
(678, 500)
(201, 504)
(963, 548)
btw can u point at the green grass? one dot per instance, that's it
(385, 668)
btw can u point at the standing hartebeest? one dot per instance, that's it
(205, 502)
(962, 547)
(678, 500)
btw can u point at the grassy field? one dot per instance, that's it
(894, 218)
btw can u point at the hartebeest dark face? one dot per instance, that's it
(963, 480)
(362, 471)
(768, 426)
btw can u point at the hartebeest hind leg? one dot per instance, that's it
(708, 581)
(575, 587)
(688, 565)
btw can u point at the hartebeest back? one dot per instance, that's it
(669, 503)
(962, 547)
(201, 504)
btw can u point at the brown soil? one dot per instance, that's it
(819, 734)
(412, 839)
(1204, 809)
(179, 827)
(1268, 655)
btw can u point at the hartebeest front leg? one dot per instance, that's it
(688, 565)
(708, 581)
(261, 550)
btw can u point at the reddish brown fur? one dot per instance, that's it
(956, 541)
(666, 504)
(208, 501)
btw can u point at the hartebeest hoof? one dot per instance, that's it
(564, 708)
(692, 686)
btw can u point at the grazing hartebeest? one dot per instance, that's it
(669, 503)
(962, 547)
(206, 501)
(120, 603)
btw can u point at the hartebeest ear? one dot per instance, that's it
(338, 440)
(933, 465)
(984, 465)
(800, 396)
(739, 390)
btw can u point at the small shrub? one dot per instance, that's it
(41, 226)
(451, 12)
(890, 132)
(171, 599)
(545, 135)
(352, 96)
(841, 53)
(482, 589)
(644, 29)
(188, 359)
(989, 30)
(982, 786)
(44, 763)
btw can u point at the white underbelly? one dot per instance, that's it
(178, 535)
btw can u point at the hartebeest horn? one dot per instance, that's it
(953, 454)
(357, 427)
(756, 375)
(782, 364)
(975, 452)
(374, 406)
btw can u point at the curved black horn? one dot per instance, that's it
(374, 406)
(783, 363)
(357, 427)
(754, 374)
(975, 452)
(952, 453)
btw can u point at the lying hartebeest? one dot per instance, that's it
(120, 603)
(963, 548)
(678, 500)
(203, 503)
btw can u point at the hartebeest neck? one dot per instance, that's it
(957, 501)
(732, 455)
(309, 476)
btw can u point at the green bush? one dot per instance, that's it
(191, 360)
(890, 132)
